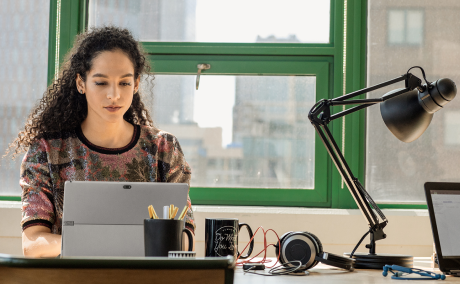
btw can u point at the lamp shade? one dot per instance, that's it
(408, 115)
(404, 115)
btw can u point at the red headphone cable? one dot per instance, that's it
(264, 259)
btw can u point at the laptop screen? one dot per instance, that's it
(446, 207)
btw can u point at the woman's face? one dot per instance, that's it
(109, 86)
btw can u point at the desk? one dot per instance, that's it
(163, 270)
(324, 274)
(111, 270)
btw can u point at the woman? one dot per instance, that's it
(91, 125)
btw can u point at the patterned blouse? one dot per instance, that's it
(151, 156)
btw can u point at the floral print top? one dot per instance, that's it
(151, 156)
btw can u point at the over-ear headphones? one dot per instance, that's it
(307, 248)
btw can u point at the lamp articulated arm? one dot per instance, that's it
(320, 116)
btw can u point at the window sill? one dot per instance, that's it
(10, 204)
(274, 210)
(301, 211)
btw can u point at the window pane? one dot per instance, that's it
(241, 131)
(452, 124)
(396, 171)
(396, 26)
(414, 27)
(292, 21)
(24, 61)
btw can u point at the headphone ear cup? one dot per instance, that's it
(279, 246)
(318, 242)
(299, 246)
(318, 245)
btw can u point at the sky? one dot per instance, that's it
(244, 20)
(213, 104)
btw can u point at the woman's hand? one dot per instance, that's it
(38, 241)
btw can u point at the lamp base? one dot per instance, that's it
(378, 261)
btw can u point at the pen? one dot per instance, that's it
(165, 212)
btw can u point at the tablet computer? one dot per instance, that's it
(443, 200)
(106, 218)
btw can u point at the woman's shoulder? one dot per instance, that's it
(53, 137)
(161, 140)
(47, 142)
(155, 134)
(58, 135)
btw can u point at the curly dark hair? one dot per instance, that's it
(62, 107)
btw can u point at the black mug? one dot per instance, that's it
(221, 237)
(164, 235)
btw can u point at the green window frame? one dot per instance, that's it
(339, 67)
(325, 61)
(320, 67)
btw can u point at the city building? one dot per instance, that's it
(23, 76)
(403, 34)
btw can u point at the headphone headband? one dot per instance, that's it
(336, 260)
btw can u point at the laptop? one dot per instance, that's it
(107, 218)
(443, 200)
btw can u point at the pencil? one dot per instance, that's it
(188, 207)
(170, 211)
(151, 212)
(155, 216)
(175, 212)
(183, 212)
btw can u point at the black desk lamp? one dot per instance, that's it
(407, 112)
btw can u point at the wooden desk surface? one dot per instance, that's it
(324, 274)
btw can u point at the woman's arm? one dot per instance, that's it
(38, 241)
(38, 212)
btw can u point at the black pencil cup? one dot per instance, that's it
(164, 235)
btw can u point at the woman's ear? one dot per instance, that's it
(136, 84)
(80, 84)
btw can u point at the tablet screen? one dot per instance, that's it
(446, 207)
